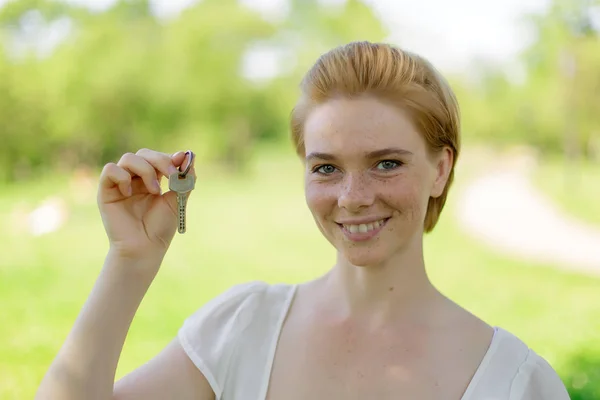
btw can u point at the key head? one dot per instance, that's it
(181, 184)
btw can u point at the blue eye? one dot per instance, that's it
(388, 164)
(326, 169)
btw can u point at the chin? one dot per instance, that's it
(364, 262)
(366, 257)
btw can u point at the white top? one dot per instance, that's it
(232, 341)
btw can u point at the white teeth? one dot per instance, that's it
(364, 228)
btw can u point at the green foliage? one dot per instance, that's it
(583, 376)
(12, 12)
(555, 108)
(124, 79)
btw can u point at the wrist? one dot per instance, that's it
(134, 255)
(134, 265)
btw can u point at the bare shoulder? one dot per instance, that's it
(169, 375)
(464, 327)
(459, 314)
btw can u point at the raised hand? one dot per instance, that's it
(139, 220)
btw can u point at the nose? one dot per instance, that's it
(355, 193)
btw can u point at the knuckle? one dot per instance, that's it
(115, 173)
(127, 156)
(143, 151)
(108, 168)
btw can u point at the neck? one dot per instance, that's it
(398, 288)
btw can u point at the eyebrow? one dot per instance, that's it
(370, 155)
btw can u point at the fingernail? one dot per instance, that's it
(157, 187)
(129, 191)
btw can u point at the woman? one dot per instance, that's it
(378, 131)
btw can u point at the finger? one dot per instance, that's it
(112, 175)
(177, 158)
(162, 162)
(139, 167)
(181, 159)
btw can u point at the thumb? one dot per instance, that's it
(170, 198)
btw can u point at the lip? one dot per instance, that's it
(358, 221)
(363, 236)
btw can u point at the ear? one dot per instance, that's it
(443, 165)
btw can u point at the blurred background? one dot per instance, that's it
(82, 82)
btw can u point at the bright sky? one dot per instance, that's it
(448, 32)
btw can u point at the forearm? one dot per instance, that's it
(86, 364)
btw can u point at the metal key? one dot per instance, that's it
(182, 185)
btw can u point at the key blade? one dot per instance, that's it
(182, 186)
(181, 217)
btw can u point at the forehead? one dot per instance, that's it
(359, 125)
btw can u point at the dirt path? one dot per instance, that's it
(503, 210)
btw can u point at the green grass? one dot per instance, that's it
(258, 227)
(574, 187)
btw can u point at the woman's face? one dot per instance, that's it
(369, 178)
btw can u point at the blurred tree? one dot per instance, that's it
(122, 78)
(555, 107)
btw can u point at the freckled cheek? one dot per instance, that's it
(321, 199)
(405, 197)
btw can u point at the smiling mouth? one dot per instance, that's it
(364, 228)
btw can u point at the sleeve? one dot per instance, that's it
(537, 380)
(209, 336)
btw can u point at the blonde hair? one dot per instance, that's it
(398, 77)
